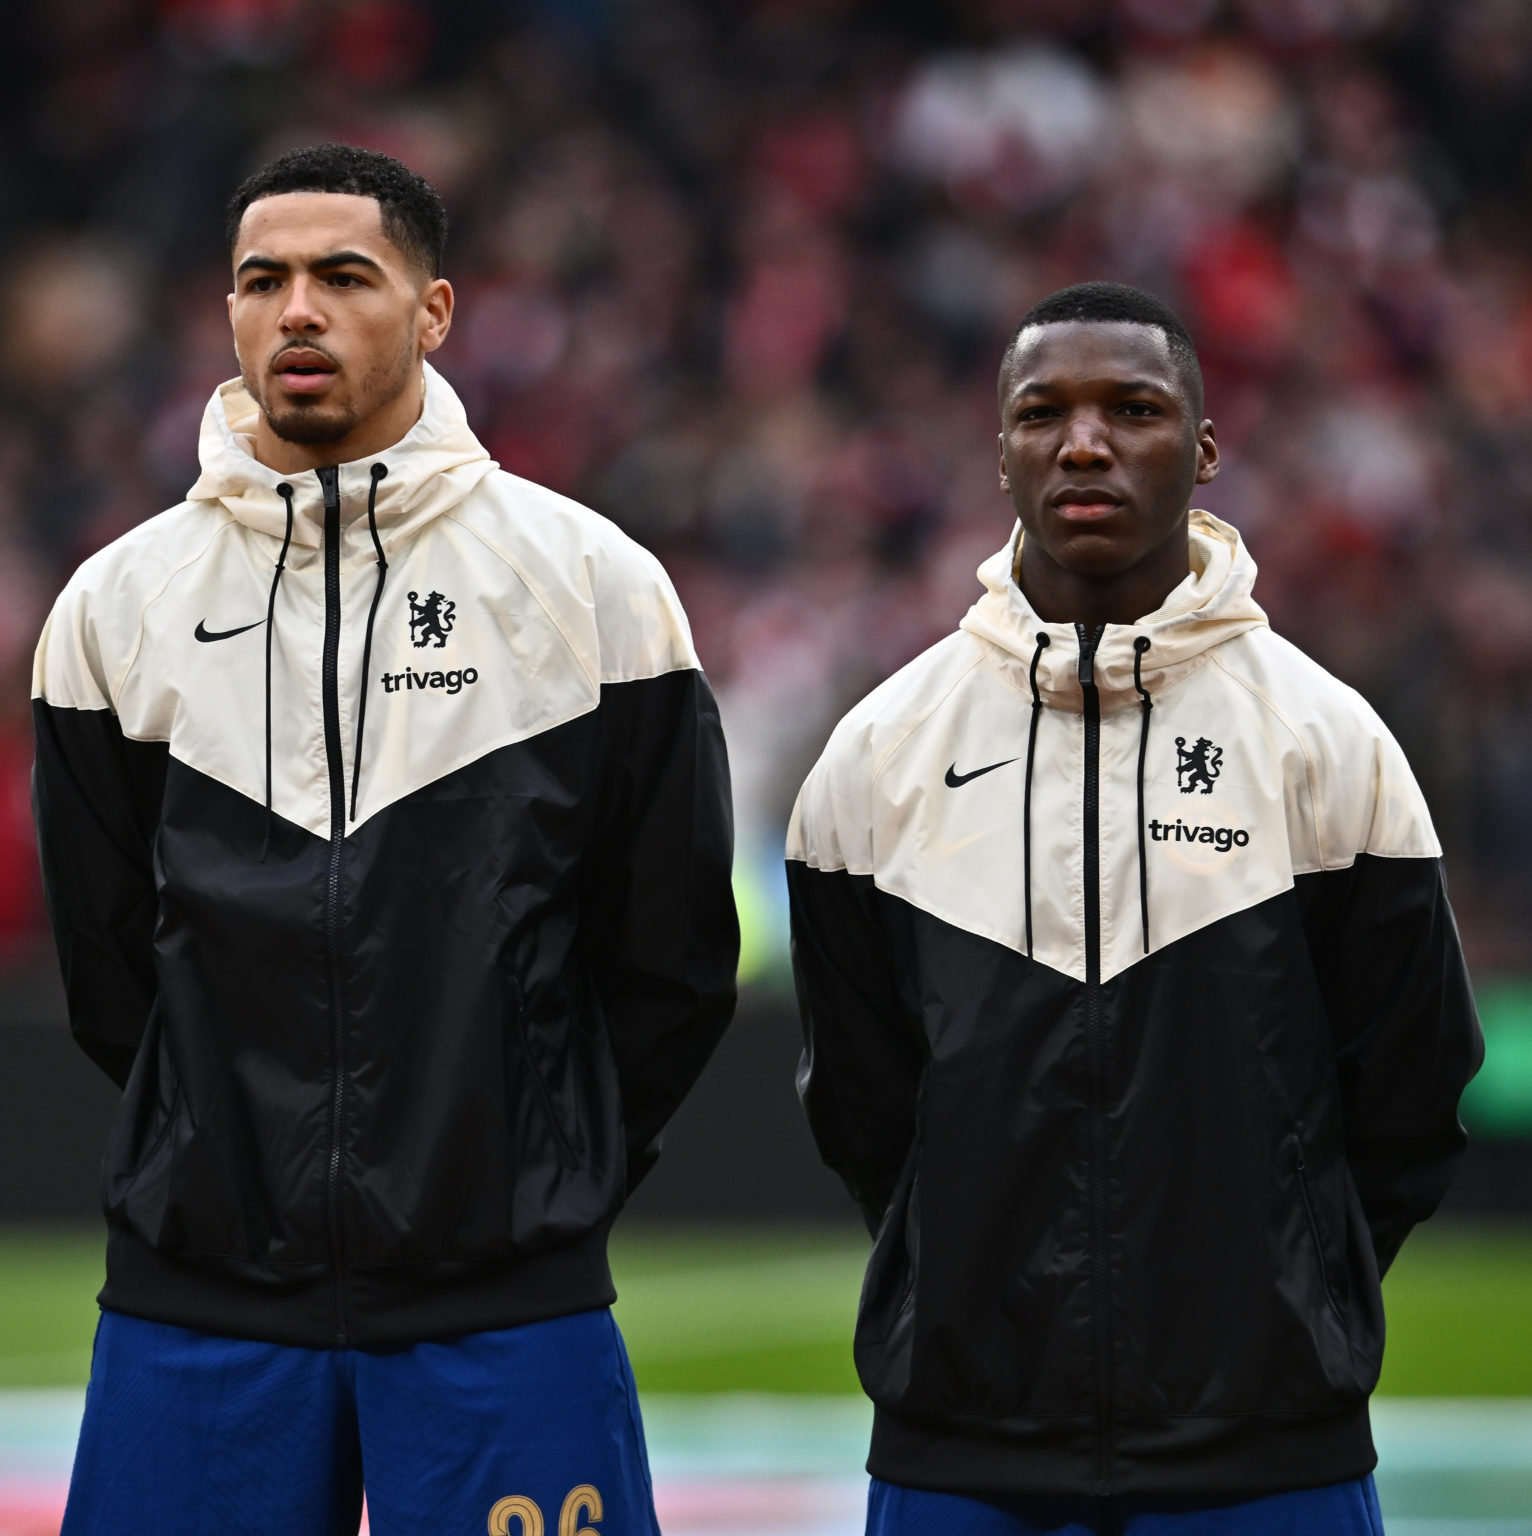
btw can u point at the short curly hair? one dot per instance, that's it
(414, 217)
(1114, 303)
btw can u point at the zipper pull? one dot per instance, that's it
(1089, 640)
(329, 485)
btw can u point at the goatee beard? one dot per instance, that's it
(310, 428)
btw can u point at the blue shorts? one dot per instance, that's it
(1342, 1509)
(519, 1432)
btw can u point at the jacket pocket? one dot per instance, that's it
(561, 1141)
(883, 1344)
(1300, 1167)
(135, 1172)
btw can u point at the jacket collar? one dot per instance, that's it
(430, 469)
(1213, 604)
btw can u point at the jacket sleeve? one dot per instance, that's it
(860, 1074)
(659, 928)
(96, 797)
(1405, 1033)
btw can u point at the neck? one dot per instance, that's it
(1062, 596)
(378, 432)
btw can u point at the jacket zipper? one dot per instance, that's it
(329, 484)
(1101, 1336)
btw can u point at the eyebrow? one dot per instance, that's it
(1124, 386)
(319, 264)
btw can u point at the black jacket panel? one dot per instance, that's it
(1240, 1281)
(503, 1045)
(1136, 1022)
(1400, 1005)
(96, 798)
(659, 932)
(404, 911)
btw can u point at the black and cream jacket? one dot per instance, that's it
(386, 832)
(1136, 1022)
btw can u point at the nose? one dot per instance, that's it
(1086, 444)
(301, 314)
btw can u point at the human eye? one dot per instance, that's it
(260, 285)
(1140, 408)
(345, 280)
(1037, 412)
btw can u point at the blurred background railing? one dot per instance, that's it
(737, 273)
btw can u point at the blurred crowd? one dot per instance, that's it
(738, 275)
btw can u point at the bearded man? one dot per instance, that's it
(385, 823)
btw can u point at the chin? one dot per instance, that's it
(1096, 556)
(308, 426)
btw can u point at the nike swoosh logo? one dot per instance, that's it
(954, 778)
(203, 633)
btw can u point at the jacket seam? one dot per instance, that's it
(143, 612)
(506, 1259)
(969, 1420)
(881, 761)
(1249, 1413)
(474, 755)
(940, 917)
(450, 516)
(843, 868)
(649, 677)
(1308, 762)
(1335, 869)
(1239, 904)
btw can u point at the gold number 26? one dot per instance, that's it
(580, 1504)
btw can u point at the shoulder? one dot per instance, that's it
(610, 595)
(1325, 715)
(898, 706)
(833, 816)
(1361, 793)
(92, 634)
(141, 560)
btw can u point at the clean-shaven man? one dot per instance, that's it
(385, 822)
(1136, 1018)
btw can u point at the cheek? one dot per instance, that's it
(1028, 459)
(1170, 465)
(246, 336)
(388, 343)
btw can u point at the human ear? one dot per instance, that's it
(234, 335)
(1207, 452)
(436, 304)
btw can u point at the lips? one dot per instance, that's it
(304, 372)
(1085, 503)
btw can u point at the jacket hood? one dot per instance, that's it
(1213, 604)
(430, 470)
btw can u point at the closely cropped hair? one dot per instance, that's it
(1114, 302)
(414, 217)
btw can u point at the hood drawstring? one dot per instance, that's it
(285, 491)
(1026, 794)
(1140, 645)
(378, 472)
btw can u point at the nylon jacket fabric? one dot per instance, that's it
(389, 1074)
(1138, 1033)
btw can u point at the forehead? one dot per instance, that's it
(296, 226)
(1084, 354)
